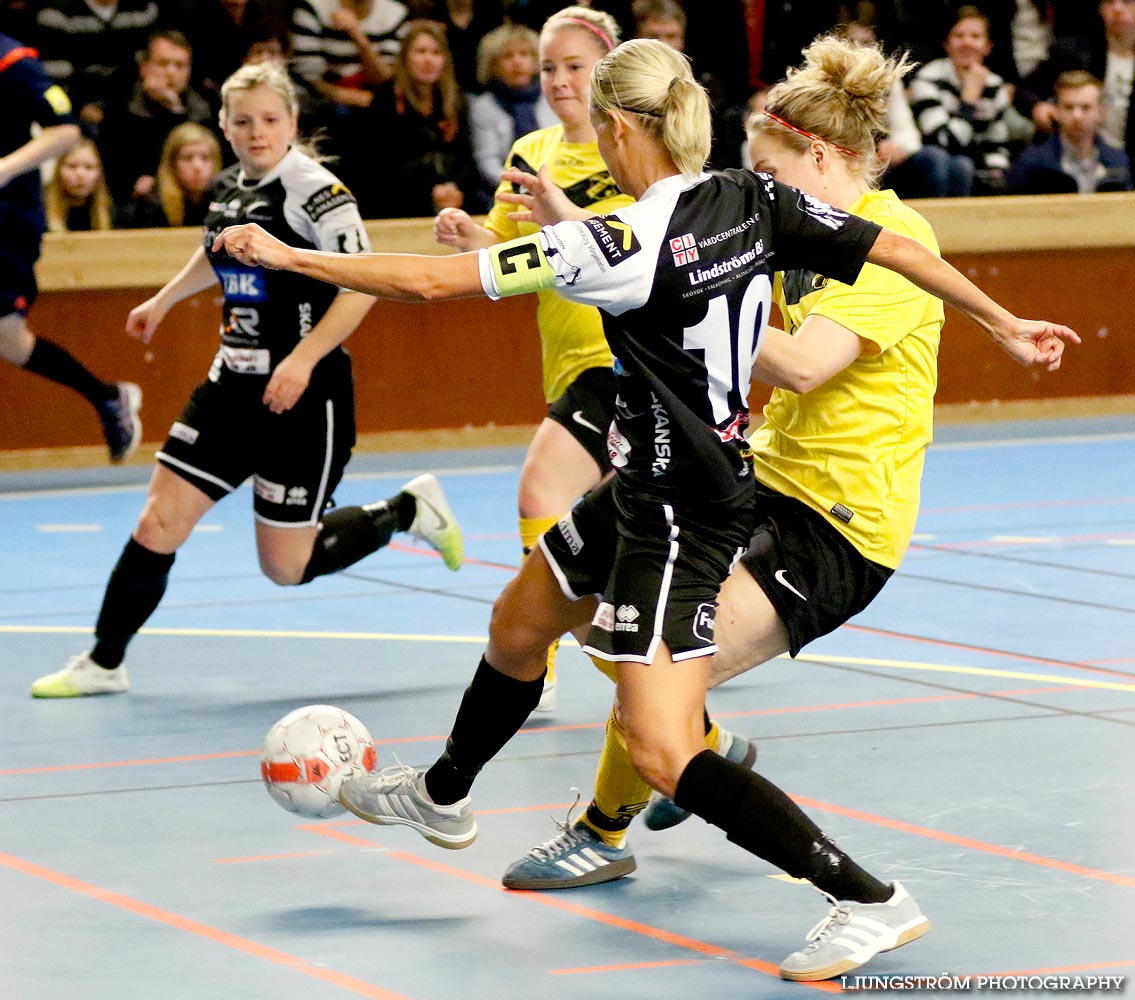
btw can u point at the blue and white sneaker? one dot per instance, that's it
(575, 856)
(661, 813)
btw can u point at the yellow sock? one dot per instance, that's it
(620, 794)
(531, 528)
(713, 737)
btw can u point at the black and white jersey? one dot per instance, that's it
(267, 312)
(684, 281)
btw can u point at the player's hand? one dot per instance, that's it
(541, 201)
(288, 382)
(252, 245)
(1036, 342)
(144, 319)
(454, 227)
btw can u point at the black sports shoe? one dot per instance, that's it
(120, 423)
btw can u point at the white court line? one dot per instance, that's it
(404, 476)
(68, 529)
(1020, 442)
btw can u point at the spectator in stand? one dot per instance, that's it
(191, 159)
(1076, 158)
(1105, 47)
(913, 168)
(665, 21)
(962, 105)
(466, 23)
(131, 137)
(221, 32)
(508, 68)
(427, 163)
(77, 198)
(89, 47)
(345, 48)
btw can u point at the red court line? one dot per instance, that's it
(416, 551)
(217, 936)
(968, 842)
(627, 968)
(984, 649)
(565, 906)
(789, 710)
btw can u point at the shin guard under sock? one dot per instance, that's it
(133, 592)
(348, 534)
(759, 817)
(493, 708)
(53, 362)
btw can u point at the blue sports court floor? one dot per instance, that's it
(971, 734)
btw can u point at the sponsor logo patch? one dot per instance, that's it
(626, 618)
(604, 617)
(266, 490)
(327, 199)
(705, 619)
(684, 249)
(183, 432)
(616, 240)
(843, 513)
(243, 284)
(570, 535)
(297, 496)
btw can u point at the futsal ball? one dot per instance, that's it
(309, 753)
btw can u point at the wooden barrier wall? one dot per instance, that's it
(477, 363)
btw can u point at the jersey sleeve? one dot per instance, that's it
(812, 235)
(332, 217)
(598, 262)
(881, 306)
(46, 103)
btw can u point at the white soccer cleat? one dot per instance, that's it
(434, 522)
(82, 676)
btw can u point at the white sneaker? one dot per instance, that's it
(434, 522)
(81, 676)
(854, 933)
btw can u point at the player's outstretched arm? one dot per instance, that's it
(403, 276)
(1029, 342)
(194, 277)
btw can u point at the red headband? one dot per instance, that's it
(807, 134)
(593, 28)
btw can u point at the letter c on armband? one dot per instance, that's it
(521, 266)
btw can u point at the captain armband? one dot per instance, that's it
(521, 266)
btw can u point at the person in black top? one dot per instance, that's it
(683, 278)
(28, 96)
(278, 402)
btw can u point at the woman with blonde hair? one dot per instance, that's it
(77, 199)
(190, 161)
(277, 405)
(419, 115)
(684, 280)
(568, 455)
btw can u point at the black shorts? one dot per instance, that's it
(813, 576)
(586, 410)
(655, 566)
(226, 434)
(19, 250)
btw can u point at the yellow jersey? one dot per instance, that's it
(571, 335)
(853, 448)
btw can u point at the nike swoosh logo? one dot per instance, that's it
(580, 419)
(782, 578)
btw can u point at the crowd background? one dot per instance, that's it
(417, 101)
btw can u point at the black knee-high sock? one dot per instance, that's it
(347, 534)
(494, 707)
(51, 361)
(759, 817)
(133, 592)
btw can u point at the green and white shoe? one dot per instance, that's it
(82, 676)
(434, 522)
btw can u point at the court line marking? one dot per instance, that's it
(540, 730)
(190, 926)
(968, 842)
(981, 508)
(575, 909)
(1042, 442)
